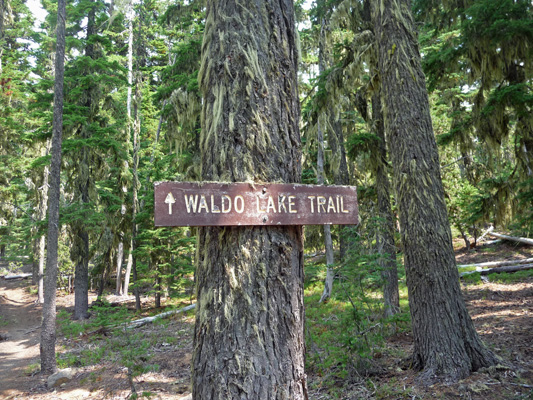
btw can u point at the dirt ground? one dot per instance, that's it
(502, 313)
(20, 320)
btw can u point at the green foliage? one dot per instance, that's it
(504, 277)
(362, 142)
(477, 56)
(69, 328)
(106, 338)
(345, 334)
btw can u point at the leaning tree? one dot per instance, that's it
(446, 345)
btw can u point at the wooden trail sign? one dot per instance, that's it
(242, 204)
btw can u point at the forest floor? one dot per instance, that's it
(160, 353)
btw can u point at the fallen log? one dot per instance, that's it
(497, 263)
(19, 276)
(512, 268)
(490, 229)
(489, 242)
(512, 238)
(144, 321)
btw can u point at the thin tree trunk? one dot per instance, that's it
(158, 291)
(386, 245)
(322, 121)
(249, 336)
(35, 261)
(127, 274)
(328, 243)
(81, 278)
(446, 345)
(48, 331)
(136, 148)
(124, 291)
(40, 271)
(135, 183)
(39, 252)
(108, 261)
(341, 174)
(119, 260)
(41, 249)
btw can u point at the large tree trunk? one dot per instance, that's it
(386, 245)
(48, 331)
(446, 345)
(81, 250)
(249, 337)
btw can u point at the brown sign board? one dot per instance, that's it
(246, 204)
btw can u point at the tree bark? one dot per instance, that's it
(40, 270)
(446, 345)
(130, 16)
(48, 331)
(127, 273)
(158, 291)
(385, 240)
(39, 253)
(119, 260)
(249, 337)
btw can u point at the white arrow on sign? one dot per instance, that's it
(170, 200)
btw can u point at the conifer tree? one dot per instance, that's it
(478, 55)
(446, 345)
(48, 330)
(248, 340)
(93, 145)
(16, 216)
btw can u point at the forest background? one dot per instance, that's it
(132, 117)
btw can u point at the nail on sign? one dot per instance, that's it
(231, 204)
